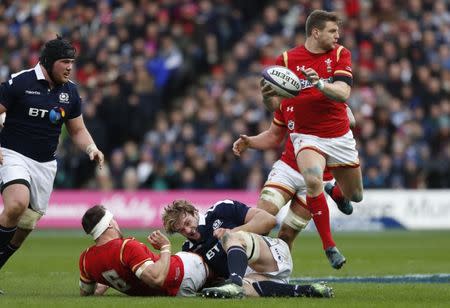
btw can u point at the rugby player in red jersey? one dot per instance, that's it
(128, 266)
(322, 137)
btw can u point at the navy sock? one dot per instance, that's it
(276, 289)
(6, 253)
(237, 264)
(6, 234)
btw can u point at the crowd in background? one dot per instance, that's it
(168, 85)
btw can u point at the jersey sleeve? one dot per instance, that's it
(343, 68)
(84, 276)
(232, 210)
(75, 110)
(7, 90)
(134, 253)
(278, 118)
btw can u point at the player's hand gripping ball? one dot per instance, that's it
(282, 80)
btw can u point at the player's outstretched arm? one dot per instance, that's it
(268, 139)
(81, 137)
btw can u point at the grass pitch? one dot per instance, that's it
(44, 272)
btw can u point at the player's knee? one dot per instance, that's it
(14, 208)
(29, 219)
(231, 239)
(313, 181)
(357, 196)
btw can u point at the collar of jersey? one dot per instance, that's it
(201, 219)
(39, 73)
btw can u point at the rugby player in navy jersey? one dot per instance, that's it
(37, 102)
(227, 237)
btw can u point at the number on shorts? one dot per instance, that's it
(114, 279)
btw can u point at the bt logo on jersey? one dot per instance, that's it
(55, 115)
(35, 112)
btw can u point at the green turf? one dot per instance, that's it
(44, 272)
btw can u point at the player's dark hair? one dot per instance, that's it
(174, 211)
(92, 217)
(318, 18)
(54, 50)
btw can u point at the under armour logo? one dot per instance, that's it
(300, 68)
(291, 108)
(316, 214)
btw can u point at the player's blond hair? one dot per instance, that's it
(318, 18)
(174, 211)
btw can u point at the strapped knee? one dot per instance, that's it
(294, 221)
(273, 196)
(29, 219)
(252, 248)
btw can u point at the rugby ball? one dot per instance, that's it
(282, 80)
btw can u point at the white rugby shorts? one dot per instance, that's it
(282, 255)
(195, 273)
(39, 176)
(338, 152)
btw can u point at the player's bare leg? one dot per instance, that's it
(350, 182)
(311, 164)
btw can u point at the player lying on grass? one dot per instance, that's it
(128, 266)
(255, 265)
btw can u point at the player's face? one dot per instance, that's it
(61, 70)
(187, 226)
(329, 36)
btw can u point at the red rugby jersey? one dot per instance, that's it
(317, 114)
(115, 263)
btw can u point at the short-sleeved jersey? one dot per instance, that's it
(316, 114)
(285, 117)
(224, 214)
(35, 113)
(115, 263)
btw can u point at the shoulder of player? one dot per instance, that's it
(340, 50)
(22, 78)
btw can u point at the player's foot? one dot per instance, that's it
(335, 257)
(344, 205)
(321, 289)
(229, 290)
(2, 292)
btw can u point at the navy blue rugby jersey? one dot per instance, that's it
(35, 113)
(224, 214)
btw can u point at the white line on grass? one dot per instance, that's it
(410, 278)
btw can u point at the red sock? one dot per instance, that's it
(321, 215)
(336, 193)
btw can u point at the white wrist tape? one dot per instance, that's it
(90, 148)
(320, 85)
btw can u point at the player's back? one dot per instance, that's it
(107, 264)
